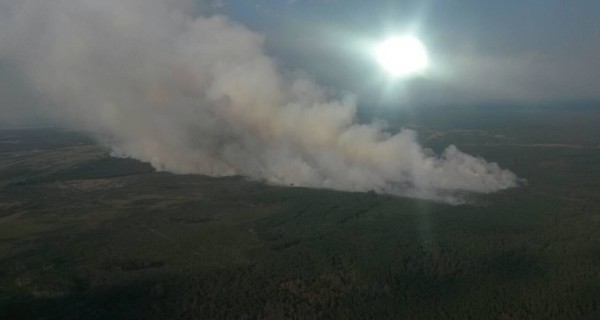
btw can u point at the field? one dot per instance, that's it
(87, 236)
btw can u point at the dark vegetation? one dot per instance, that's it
(86, 236)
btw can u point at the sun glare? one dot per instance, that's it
(402, 56)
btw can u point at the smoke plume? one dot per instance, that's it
(197, 94)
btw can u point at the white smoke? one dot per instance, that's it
(196, 94)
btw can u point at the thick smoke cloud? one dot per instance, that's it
(195, 94)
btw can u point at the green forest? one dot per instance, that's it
(87, 236)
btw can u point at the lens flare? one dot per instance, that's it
(402, 56)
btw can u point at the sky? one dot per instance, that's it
(534, 51)
(482, 52)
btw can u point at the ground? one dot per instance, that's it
(87, 236)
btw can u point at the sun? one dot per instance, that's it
(402, 56)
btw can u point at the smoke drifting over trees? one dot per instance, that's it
(197, 94)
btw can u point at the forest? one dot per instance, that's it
(87, 236)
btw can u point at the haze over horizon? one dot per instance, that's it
(511, 51)
(534, 52)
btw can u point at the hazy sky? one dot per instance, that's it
(482, 51)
